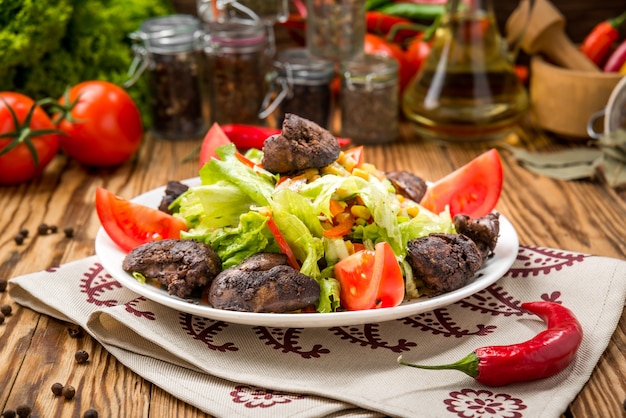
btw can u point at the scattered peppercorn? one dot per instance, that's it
(57, 389)
(90, 413)
(42, 229)
(9, 413)
(68, 392)
(6, 310)
(52, 229)
(69, 232)
(3, 285)
(19, 239)
(81, 356)
(23, 232)
(1, 318)
(76, 332)
(23, 411)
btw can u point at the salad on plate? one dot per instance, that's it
(303, 226)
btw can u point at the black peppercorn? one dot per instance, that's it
(19, 239)
(68, 392)
(3, 285)
(69, 232)
(9, 413)
(23, 411)
(42, 229)
(52, 229)
(57, 389)
(1, 318)
(23, 232)
(6, 310)
(90, 413)
(75, 332)
(81, 356)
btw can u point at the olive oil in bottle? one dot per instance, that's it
(467, 90)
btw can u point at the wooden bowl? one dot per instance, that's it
(563, 101)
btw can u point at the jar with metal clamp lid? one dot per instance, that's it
(167, 48)
(301, 85)
(369, 99)
(236, 66)
(335, 29)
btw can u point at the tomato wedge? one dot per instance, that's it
(370, 279)
(130, 224)
(473, 189)
(213, 139)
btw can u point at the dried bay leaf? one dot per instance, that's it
(572, 156)
(613, 171)
(565, 172)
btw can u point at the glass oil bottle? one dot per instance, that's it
(467, 90)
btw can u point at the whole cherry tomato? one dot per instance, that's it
(103, 125)
(18, 161)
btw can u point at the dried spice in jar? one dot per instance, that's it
(236, 65)
(369, 99)
(335, 29)
(167, 48)
(303, 85)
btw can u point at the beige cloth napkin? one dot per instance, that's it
(251, 371)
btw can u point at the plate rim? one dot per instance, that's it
(495, 268)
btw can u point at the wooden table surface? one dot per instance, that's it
(36, 350)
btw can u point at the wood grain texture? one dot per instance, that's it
(36, 351)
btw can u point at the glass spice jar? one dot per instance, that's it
(369, 99)
(302, 86)
(335, 29)
(167, 48)
(236, 66)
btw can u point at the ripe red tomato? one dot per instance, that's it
(213, 139)
(18, 164)
(370, 279)
(130, 224)
(473, 189)
(104, 127)
(416, 53)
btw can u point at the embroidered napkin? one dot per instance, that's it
(253, 371)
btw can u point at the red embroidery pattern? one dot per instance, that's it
(471, 403)
(536, 260)
(439, 322)
(205, 330)
(287, 341)
(493, 300)
(368, 335)
(131, 307)
(96, 283)
(253, 397)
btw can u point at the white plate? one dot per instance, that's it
(111, 257)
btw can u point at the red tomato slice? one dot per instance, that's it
(357, 154)
(473, 189)
(282, 244)
(130, 224)
(213, 139)
(370, 279)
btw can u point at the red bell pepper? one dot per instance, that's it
(252, 136)
(597, 43)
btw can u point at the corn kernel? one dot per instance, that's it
(413, 211)
(361, 173)
(359, 211)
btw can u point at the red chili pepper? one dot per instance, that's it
(597, 43)
(546, 354)
(252, 136)
(381, 23)
(616, 59)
